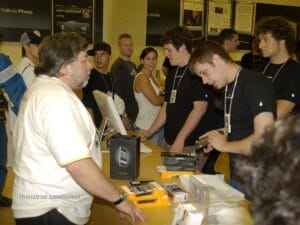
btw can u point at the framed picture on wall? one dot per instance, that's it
(193, 17)
(193, 14)
(74, 16)
(219, 16)
(18, 16)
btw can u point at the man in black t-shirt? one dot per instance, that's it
(249, 104)
(100, 79)
(276, 36)
(187, 111)
(123, 72)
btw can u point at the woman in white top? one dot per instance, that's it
(146, 92)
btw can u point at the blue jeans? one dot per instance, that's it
(158, 137)
(3, 155)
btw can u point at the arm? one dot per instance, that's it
(89, 176)
(190, 124)
(158, 123)
(218, 141)
(284, 107)
(142, 84)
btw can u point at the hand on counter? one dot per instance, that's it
(129, 209)
(177, 146)
(144, 134)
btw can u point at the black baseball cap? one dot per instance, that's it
(31, 37)
(103, 46)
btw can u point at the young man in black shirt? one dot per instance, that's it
(187, 111)
(123, 71)
(277, 39)
(249, 105)
(100, 79)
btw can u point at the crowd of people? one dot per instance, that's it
(206, 94)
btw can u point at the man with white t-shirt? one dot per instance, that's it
(57, 162)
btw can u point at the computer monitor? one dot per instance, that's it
(111, 116)
(109, 113)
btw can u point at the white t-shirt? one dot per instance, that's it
(53, 129)
(26, 69)
(147, 111)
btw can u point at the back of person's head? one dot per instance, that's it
(226, 34)
(279, 27)
(272, 174)
(205, 50)
(146, 51)
(123, 36)
(30, 37)
(179, 36)
(58, 50)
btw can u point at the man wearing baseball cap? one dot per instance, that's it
(30, 41)
(100, 79)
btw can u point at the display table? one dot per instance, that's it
(104, 214)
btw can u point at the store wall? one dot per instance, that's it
(127, 16)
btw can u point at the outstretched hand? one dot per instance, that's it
(129, 209)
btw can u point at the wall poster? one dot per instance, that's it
(219, 17)
(193, 14)
(243, 18)
(74, 16)
(18, 16)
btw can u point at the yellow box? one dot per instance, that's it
(167, 174)
(157, 196)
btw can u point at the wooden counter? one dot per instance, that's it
(104, 214)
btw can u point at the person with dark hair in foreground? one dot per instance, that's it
(271, 174)
(187, 111)
(249, 104)
(58, 161)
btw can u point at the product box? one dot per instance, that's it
(187, 214)
(176, 193)
(147, 195)
(124, 157)
(179, 161)
(166, 174)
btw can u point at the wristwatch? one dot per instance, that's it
(120, 200)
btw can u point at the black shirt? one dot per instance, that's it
(189, 89)
(253, 95)
(286, 81)
(250, 61)
(123, 73)
(97, 81)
